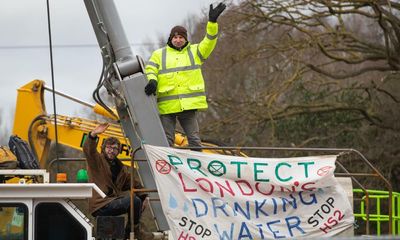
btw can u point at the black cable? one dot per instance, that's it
(95, 93)
(52, 77)
(105, 76)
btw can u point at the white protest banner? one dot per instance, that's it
(210, 196)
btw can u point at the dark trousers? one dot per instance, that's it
(121, 206)
(188, 121)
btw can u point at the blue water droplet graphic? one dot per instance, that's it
(172, 202)
(185, 207)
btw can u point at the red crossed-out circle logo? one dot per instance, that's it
(163, 167)
(324, 170)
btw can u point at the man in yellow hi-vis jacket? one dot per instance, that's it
(174, 74)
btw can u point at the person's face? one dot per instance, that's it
(178, 41)
(111, 151)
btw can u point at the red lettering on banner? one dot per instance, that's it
(265, 193)
(332, 221)
(227, 188)
(204, 188)
(305, 187)
(239, 187)
(184, 186)
(186, 237)
(248, 185)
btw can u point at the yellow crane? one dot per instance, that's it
(36, 126)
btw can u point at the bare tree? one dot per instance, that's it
(272, 47)
(306, 73)
(361, 33)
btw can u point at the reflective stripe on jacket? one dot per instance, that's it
(178, 73)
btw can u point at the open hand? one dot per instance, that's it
(215, 12)
(99, 129)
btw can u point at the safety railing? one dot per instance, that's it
(380, 216)
(57, 161)
(391, 215)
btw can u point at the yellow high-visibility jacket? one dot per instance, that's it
(178, 73)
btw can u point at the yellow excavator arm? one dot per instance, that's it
(33, 124)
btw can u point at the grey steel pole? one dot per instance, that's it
(98, 27)
(106, 10)
(138, 112)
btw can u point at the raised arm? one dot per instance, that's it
(89, 147)
(207, 45)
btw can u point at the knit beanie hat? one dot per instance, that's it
(178, 30)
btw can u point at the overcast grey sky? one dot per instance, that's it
(24, 54)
